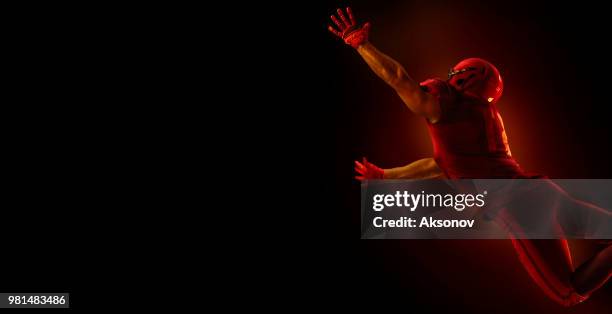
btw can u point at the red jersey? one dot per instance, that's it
(469, 140)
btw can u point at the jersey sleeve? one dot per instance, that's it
(443, 92)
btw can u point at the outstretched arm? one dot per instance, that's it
(385, 67)
(426, 168)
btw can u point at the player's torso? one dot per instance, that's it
(470, 141)
(469, 127)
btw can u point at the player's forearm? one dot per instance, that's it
(384, 66)
(426, 168)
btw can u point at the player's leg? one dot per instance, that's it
(585, 220)
(593, 273)
(549, 262)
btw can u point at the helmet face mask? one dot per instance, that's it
(452, 72)
(477, 78)
(462, 78)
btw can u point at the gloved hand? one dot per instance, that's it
(348, 30)
(368, 171)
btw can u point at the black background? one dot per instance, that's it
(311, 106)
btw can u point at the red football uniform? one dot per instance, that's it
(469, 140)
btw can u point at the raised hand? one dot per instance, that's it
(348, 30)
(368, 171)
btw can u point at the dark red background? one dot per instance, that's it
(553, 61)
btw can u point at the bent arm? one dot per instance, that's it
(395, 75)
(426, 168)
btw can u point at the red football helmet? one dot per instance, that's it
(478, 78)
